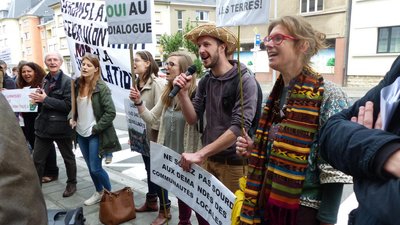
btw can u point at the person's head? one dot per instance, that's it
(90, 72)
(145, 65)
(292, 40)
(177, 63)
(3, 65)
(53, 61)
(31, 74)
(213, 42)
(15, 71)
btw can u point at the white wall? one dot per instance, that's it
(366, 17)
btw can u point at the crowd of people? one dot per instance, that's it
(309, 141)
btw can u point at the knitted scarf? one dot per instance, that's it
(276, 176)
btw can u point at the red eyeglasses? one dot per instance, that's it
(278, 38)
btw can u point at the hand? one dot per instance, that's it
(188, 158)
(244, 145)
(134, 95)
(38, 96)
(183, 81)
(366, 116)
(72, 123)
(392, 165)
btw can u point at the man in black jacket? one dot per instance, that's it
(51, 123)
(372, 156)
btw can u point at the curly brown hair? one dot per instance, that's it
(37, 80)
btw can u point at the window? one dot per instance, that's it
(27, 36)
(60, 20)
(63, 43)
(157, 16)
(202, 15)
(180, 21)
(28, 51)
(388, 39)
(308, 6)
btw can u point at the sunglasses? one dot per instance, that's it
(278, 38)
(171, 64)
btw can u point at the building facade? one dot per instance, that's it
(374, 40)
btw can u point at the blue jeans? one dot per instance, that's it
(90, 150)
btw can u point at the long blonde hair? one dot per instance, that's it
(184, 61)
(92, 83)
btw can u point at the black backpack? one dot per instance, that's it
(229, 99)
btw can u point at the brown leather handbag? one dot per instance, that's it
(117, 207)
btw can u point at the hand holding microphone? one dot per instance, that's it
(191, 70)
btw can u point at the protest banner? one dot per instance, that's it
(129, 21)
(136, 129)
(242, 12)
(19, 99)
(204, 193)
(85, 26)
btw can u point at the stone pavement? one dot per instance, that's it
(53, 191)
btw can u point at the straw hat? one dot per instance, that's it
(209, 29)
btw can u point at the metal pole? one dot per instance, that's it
(275, 17)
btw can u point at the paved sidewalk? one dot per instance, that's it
(54, 200)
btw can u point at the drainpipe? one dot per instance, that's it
(347, 34)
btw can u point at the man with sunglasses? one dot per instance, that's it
(223, 126)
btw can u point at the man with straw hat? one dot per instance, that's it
(223, 123)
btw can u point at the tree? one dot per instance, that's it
(172, 43)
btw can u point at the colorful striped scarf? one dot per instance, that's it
(276, 176)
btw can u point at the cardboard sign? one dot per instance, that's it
(242, 12)
(200, 190)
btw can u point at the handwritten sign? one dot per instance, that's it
(242, 12)
(136, 129)
(129, 21)
(204, 193)
(19, 100)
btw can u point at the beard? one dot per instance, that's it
(214, 59)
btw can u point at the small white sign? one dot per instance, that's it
(200, 190)
(129, 21)
(242, 12)
(139, 141)
(19, 99)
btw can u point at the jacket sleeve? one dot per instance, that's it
(153, 115)
(380, 199)
(249, 108)
(108, 107)
(61, 103)
(351, 147)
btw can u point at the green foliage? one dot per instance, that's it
(190, 46)
(171, 43)
(199, 67)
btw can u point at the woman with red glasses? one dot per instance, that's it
(288, 183)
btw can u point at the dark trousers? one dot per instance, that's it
(51, 168)
(154, 188)
(42, 150)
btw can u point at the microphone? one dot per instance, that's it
(191, 70)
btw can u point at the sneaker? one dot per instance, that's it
(108, 159)
(96, 197)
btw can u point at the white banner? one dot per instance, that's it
(242, 12)
(85, 25)
(129, 21)
(200, 190)
(19, 99)
(136, 129)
